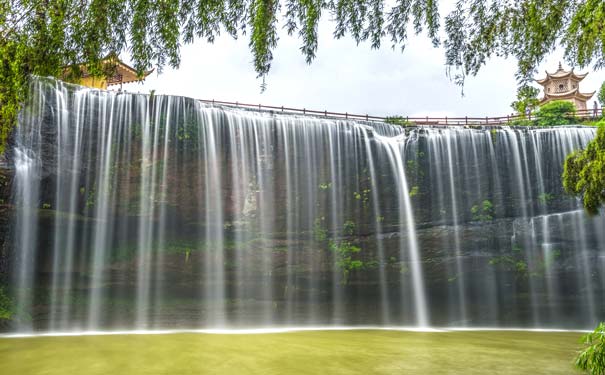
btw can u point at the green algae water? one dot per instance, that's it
(330, 352)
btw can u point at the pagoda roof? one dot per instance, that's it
(122, 72)
(561, 73)
(568, 95)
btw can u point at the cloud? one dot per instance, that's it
(345, 78)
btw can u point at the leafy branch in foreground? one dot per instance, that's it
(40, 37)
(592, 358)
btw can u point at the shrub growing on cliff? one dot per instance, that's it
(483, 211)
(344, 252)
(398, 120)
(584, 173)
(592, 358)
(524, 122)
(6, 312)
(557, 112)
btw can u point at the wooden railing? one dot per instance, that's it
(427, 120)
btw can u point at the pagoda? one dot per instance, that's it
(564, 85)
(117, 73)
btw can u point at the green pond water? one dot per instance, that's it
(310, 352)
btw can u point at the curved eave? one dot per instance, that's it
(559, 75)
(579, 77)
(573, 94)
(566, 94)
(585, 95)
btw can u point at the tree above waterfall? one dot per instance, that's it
(527, 97)
(42, 36)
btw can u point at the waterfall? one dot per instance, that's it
(153, 212)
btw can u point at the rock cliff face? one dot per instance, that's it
(6, 178)
(131, 211)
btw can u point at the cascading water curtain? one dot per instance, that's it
(156, 212)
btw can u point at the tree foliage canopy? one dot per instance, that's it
(556, 112)
(41, 36)
(527, 97)
(584, 172)
(601, 94)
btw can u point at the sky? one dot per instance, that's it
(345, 77)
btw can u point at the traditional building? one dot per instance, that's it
(118, 73)
(564, 85)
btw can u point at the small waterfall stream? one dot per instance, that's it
(149, 212)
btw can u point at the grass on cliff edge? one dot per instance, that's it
(312, 352)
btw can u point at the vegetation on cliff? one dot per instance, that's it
(584, 173)
(5, 306)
